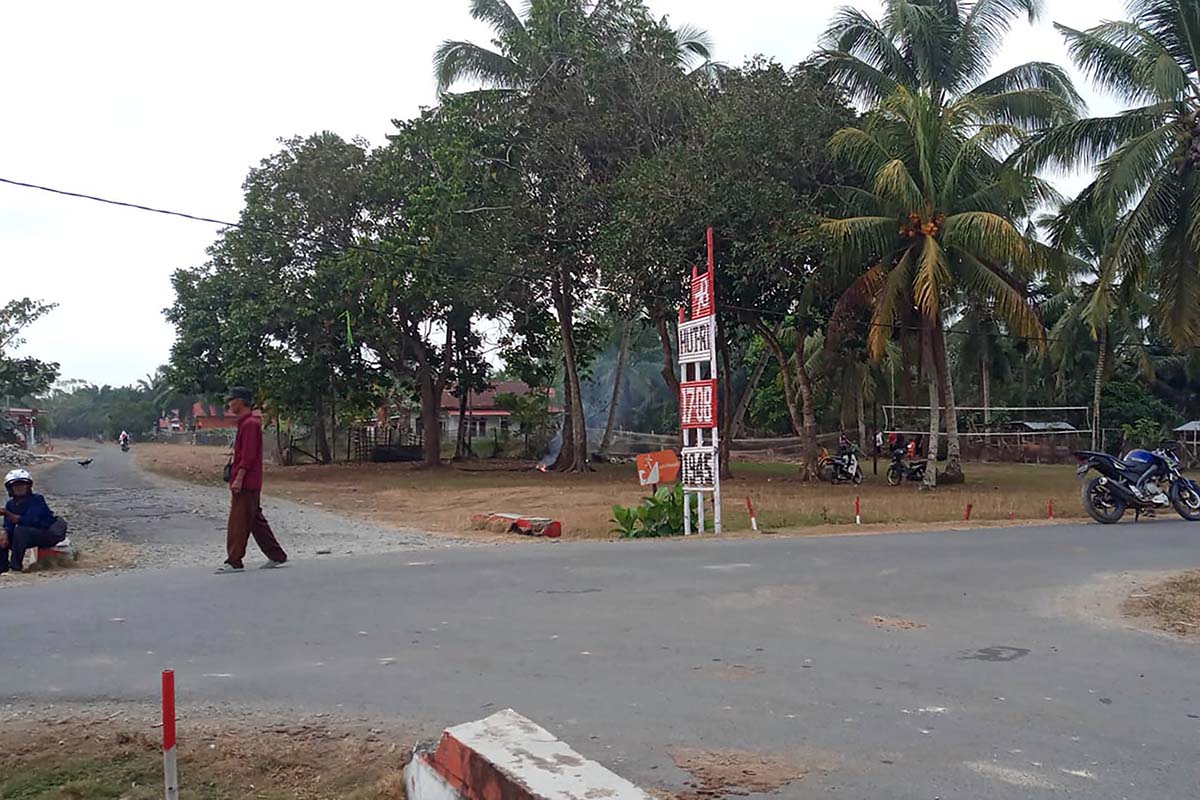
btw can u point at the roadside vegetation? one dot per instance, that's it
(886, 232)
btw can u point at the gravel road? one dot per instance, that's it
(177, 524)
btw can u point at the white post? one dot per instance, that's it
(716, 430)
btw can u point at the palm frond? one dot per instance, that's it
(987, 236)
(933, 279)
(1130, 168)
(1007, 300)
(892, 298)
(861, 239)
(1030, 109)
(859, 150)
(499, 15)
(1179, 287)
(1084, 142)
(894, 184)
(456, 61)
(1033, 75)
(694, 44)
(854, 32)
(864, 82)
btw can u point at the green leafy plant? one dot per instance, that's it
(660, 514)
(1143, 433)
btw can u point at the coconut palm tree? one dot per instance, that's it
(525, 50)
(1148, 156)
(938, 217)
(926, 62)
(942, 50)
(1110, 308)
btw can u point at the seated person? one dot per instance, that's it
(28, 522)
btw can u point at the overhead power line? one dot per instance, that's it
(427, 260)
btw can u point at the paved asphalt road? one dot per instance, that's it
(629, 649)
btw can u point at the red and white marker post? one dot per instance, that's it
(170, 765)
(753, 519)
(857, 511)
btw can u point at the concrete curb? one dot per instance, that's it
(508, 757)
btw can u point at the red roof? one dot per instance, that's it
(486, 401)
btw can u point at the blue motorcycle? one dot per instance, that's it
(1145, 480)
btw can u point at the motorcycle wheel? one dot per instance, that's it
(1100, 505)
(858, 476)
(894, 476)
(1186, 501)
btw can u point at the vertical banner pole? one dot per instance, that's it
(170, 765)
(716, 431)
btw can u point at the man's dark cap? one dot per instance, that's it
(242, 393)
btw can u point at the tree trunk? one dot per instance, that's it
(574, 458)
(808, 432)
(622, 355)
(954, 471)
(985, 384)
(935, 422)
(320, 435)
(739, 415)
(460, 443)
(1101, 359)
(861, 413)
(431, 429)
(668, 370)
(725, 418)
(785, 371)
(279, 456)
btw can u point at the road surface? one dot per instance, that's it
(628, 650)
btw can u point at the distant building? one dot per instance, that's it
(202, 417)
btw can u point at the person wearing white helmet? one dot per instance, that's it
(28, 522)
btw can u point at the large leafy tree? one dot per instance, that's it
(933, 160)
(753, 164)
(593, 85)
(268, 309)
(25, 376)
(433, 263)
(1147, 155)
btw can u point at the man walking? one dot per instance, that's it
(245, 486)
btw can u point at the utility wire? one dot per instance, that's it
(301, 237)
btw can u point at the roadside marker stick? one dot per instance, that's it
(968, 515)
(857, 511)
(170, 766)
(753, 519)
(1051, 509)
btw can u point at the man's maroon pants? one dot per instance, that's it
(246, 518)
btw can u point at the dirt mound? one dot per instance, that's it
(1171, 605)
(721, 773)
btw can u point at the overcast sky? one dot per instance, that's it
(169, 105)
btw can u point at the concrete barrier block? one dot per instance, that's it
(508, 757)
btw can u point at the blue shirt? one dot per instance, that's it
(33, 510)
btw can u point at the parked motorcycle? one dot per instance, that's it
(1145, 480)
(841, 468)
(904, 470)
